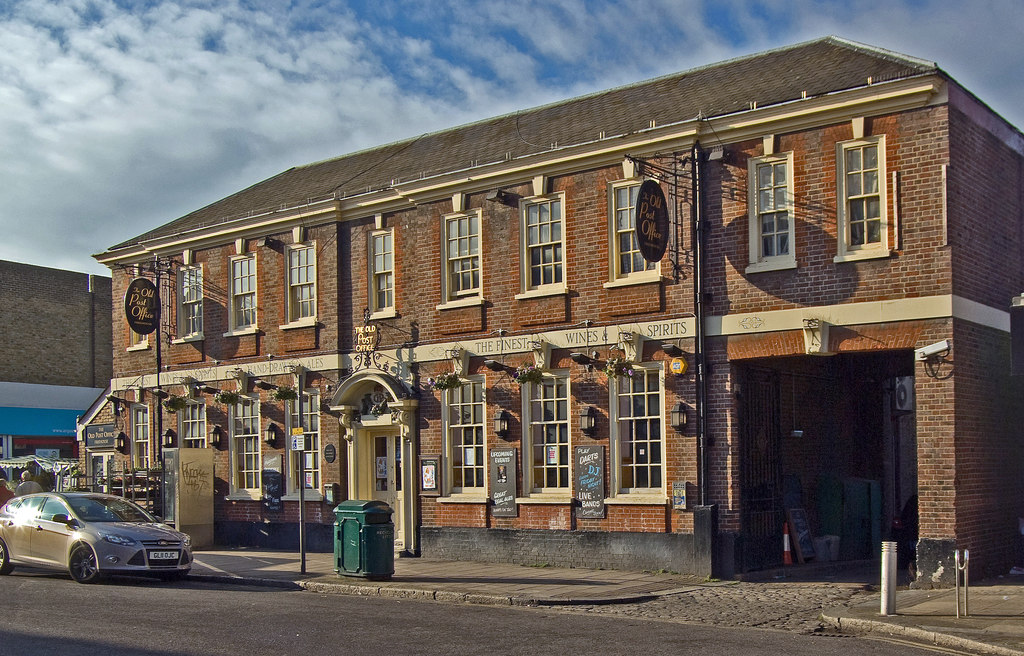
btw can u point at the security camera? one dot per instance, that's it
(938, 348)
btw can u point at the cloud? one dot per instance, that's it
(118, 116)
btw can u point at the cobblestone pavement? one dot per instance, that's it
(791, 607)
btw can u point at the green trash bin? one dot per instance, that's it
(364, 539)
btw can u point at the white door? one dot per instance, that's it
(386, 480)
(100, 466)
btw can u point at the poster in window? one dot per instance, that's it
(382, 466)
(469, 459)
(429, 475)
(552, 455)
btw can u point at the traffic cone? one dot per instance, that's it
(787, 556)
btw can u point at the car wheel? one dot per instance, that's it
(5, 559)
(82, 564)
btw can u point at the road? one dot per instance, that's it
(43, 613)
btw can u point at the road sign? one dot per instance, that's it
(298, 442)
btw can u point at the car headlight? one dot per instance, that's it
(113, 538)
(188, 540)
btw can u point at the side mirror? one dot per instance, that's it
(67, 520)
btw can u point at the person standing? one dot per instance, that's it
(5, 492)
(27, 485)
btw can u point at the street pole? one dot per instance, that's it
(302, 482)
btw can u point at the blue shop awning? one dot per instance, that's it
(38, 421)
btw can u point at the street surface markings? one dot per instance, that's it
(918, 645)
(215, 569)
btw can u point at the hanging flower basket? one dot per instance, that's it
(227, 397)
(527, 373)
(285, 393)
(444, 381)
(620, 367)
(174, 402)
(380, 409)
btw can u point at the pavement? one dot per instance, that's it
(991, 622)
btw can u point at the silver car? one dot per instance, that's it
(90, 535)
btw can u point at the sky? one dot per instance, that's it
(118, 116)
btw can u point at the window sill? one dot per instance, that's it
(636, 500)
(556, 290)
(629, 281)
(770, 265)
(545, 498)
(138, 347)
(241, 332)
(461, 303)
(855, 256)
(308, 322)
(386, 313)
(188, 339)
(244, 495)
(463, 498)
(310, 495)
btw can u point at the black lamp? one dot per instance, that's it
(121, 442)
(169, 437)
(588, 419)
(264, 385)
(501, 421)
(677, 416)
(580, 358)
(494, 365)
(270, 436)
(216, 437)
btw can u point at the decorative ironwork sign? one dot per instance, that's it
(651, 221)
(367, 338)
(141, 306)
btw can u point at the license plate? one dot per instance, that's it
(163, 555)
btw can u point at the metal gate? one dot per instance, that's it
(760, 470)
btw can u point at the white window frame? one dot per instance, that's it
(294, 284)
(142, 434)
(533, 489)
(137, 342)
(528, 289)
(617, 388)
(652, 270)
(376, 271)
(239, 489)
(471, 296)
(190, 303)
(758, 261)
(454, 440)
(192, 425)
(234, 293)
(311, 411)
(846, 251)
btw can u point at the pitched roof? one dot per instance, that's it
(816, 67)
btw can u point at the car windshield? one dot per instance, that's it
(104, 509)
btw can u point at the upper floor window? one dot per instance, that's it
(136, 341)
(863, 224)
(627, 262)
(464, 436)
(382, 271)
(190, 301)
(243, 293)
(140, 437)
(310, 424)
(543, 244)
(771, 213)
(301, 283)
(245, 443)
(462, 256)
(192, 425)
(547, 435)
(639, 446)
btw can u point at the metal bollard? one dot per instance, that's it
(961, 566)
(888, 578)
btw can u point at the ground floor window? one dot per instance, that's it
(464, 410)
(246, 442)
(639, 431)
(311, 455)
(548, 434)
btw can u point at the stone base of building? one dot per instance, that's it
(283, 536)
(673, 552)
(936, 564)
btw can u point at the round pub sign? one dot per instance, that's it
(651, 221)
(141, 307)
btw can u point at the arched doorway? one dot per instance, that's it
(378, 418)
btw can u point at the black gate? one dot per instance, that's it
(760, 470)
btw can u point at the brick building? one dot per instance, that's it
(55, 355)
(479, 340)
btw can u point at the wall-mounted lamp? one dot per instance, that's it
(270, 436)
(121, 443)
(160, 394)
(169, 438)
(672, 350)
(216, 437)
(264, 385)
(501, 421)
(207, 389)
(677, 416)
(588, 419)
(494, 365)
(581, 358)
(499, 196)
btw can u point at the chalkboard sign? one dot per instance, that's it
(589, 478)
(273, 482)
(800, 531)
(503, 482)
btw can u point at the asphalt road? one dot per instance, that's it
(43, 613)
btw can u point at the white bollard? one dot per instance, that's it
(888, 578)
